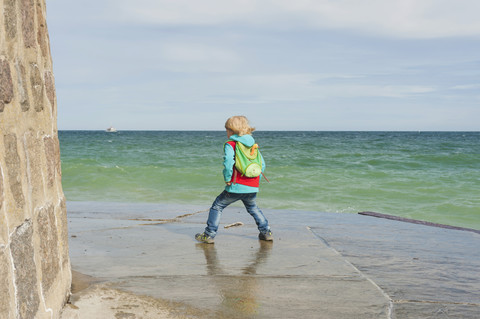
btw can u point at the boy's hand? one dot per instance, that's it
(228, 183)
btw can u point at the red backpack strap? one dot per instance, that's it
(233, 144)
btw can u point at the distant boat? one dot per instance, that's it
(111, 129)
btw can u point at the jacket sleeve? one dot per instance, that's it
(228, 162)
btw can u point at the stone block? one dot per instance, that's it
(27, 11)
(61, 215)
(58, 163)
(47, 231)
(10, 14)
(42, 30)
(5, 285)
(33, 152)
(51, 160)
(3, 221)
(6, 85)
(1, 188)
(25, 271)
(50, 88)
(3, 230)
(14, 171)
(52, 152)
(36, 82)
(22, 86)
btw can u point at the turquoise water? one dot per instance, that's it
(432, 176)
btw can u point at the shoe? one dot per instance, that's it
(204, 238)
(266, 236)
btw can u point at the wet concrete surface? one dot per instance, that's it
(320, 265)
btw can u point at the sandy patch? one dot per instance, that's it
(101, 302)
(92, 299)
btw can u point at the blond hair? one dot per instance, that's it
(239, 125)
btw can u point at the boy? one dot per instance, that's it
(238, 187)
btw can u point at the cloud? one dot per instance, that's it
(286, 89)
(198, 57)
(475, 86)
(398, 18)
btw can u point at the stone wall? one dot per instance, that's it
(35, 274)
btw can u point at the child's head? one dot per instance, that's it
(239, 125)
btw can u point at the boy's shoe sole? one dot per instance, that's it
(266, 236)
(203, 238)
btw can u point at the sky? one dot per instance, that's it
(321, 65)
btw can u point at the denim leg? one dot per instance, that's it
(222, 201)
(251, 205)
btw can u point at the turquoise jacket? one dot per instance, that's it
(229, 162)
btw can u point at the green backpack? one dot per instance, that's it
(248, 160)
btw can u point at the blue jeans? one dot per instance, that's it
(225, 199)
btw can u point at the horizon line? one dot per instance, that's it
(209, 130)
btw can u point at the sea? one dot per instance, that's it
(429, 176)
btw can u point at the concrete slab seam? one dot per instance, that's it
(159, 221)
(153, 222)
(439, 302)
(390, 300)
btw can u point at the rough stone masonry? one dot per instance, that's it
(35, 274)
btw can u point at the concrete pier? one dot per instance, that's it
(320, 265)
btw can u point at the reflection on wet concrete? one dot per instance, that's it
(320, 265)
(239, 298)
